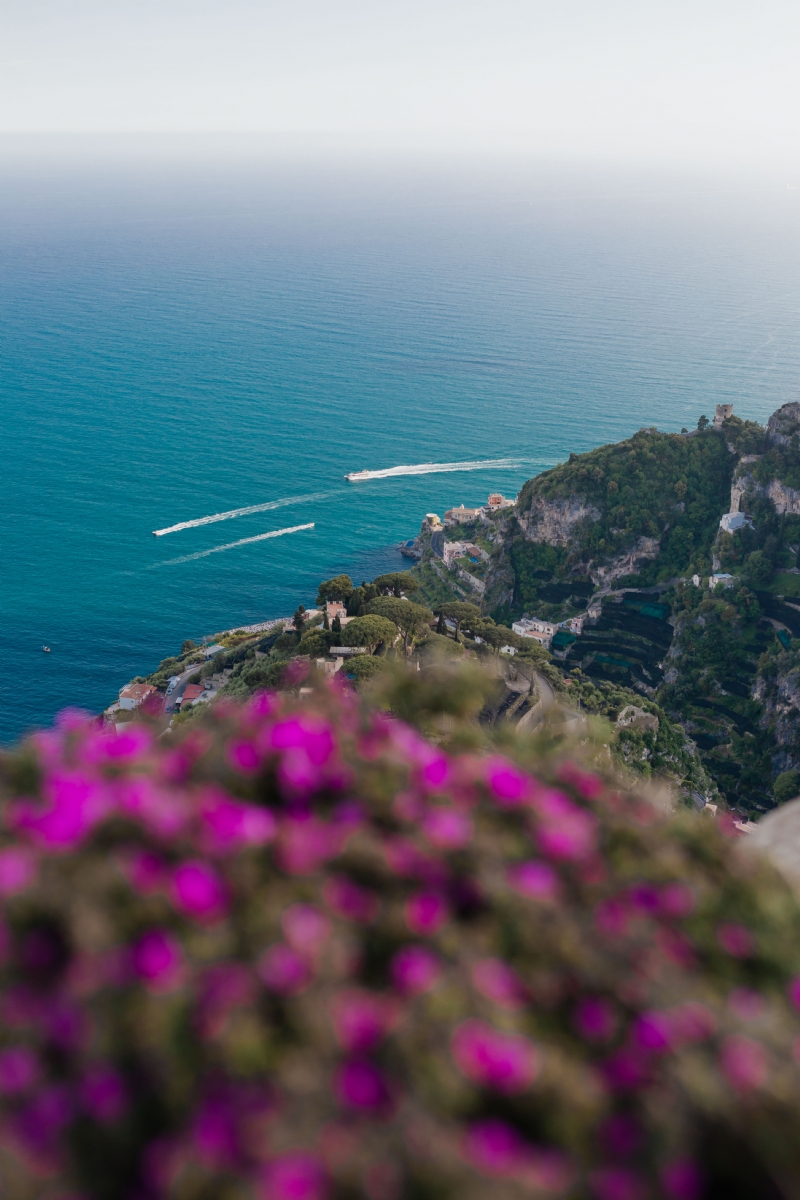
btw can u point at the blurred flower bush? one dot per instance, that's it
(304, 952)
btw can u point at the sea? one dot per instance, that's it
(187, 337)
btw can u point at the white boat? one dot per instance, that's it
(358, 476)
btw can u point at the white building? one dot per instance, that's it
(731, 521)
(722, 577)
(542, 632)
(453, 550)
(697, 581)
(134, 694)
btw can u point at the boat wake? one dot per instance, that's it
(260, 537)
(239, 512)
(494, 464)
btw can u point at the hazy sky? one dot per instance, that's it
(660, 79)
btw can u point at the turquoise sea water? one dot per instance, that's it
(180, 342)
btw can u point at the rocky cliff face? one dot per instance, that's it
(784, 424)
(553, 521)
(780, 695)
(628, 562)
(785, 499)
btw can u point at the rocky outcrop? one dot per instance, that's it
(784, 424)
(780, 695)
(629, 562)
(785, 499)
(553, 521)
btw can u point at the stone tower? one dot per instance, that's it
(723, 412)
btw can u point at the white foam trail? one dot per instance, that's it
(496, 464)
(240, 512)
(261, 537)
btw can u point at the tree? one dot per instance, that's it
(412, 620)
(786, 786)
(703, 423)
(441, 628)
(759, 568)
(336, 625)
(188, 646)
(396, 583)
(299, 619)
(325, 622)
(369, 631)
(314, 643)
(338, 588)
(361, 667)
(460, 611)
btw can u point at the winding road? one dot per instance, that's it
(529, 720)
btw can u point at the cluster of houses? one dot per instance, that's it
(720, 577)
(465, 516)
(543, 632)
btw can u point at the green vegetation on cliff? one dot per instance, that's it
(653, 485)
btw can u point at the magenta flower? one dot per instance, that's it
(447, 828)
(229, 825)
(746, 1003)
(682, 1180)
(74, 804)
(508, 785)
(18, 868)
(259, 706)
(434, 773)
(118, 746)
(294, 1176)
(305, 844)
(38, 1127)
(19, 1070)
(565, 831)
(617, 1183)
(735, 939)
(535, 880)
(621, 1135)
(506, 1062)
(584, 782)
(595, 1019)
(691, 1022)
(794, 992)
(677, 901)
(243, 756)
(426, 913)
(498, 982)
(283, 970)
(624, 1071)
(360, 1085)
(199, 892)
(224, 987)
(612, 917)
(415, 969)
(305, 732)
(103, 1094)
(653, 1033)
(158, 960)
(361, 1019)
(145, 871)
(215, 1134)
(164, 811)
(306, 929)
(349, 900)
(743, 1062)
(493, 1148)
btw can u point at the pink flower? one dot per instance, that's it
(294, 1176)
(565, 831)
(595, 1019)
(746, 1003)
(19, 1070)
(224, 987)
(794, 992)
(198, 891)
(158, 961)
(426, 913)
(359, 1084)
(145, 871)
(350, 900)
(624, 1071)
(621, 1135)
(617, 1183)
(434, 773)
(283, 970)
(447, 828)
(534, 880)
(259, 706)
(735, 939)
(243, 756)
(305, 844)
(306, 929)
(508, 785)
(17, 870)
(612, 917)
(506, 1062)
(103, 1094)
(163, 811)
(74, 804)
(415, 969)
(652, 1033)
(307, 732)
(498, 982)
(228, 824)
(587, 785)
(677, 901)
(361, 1019)
(493, 1147)
(691, 1022)
(743, 1062)
(118, 746)
(682, 1180)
